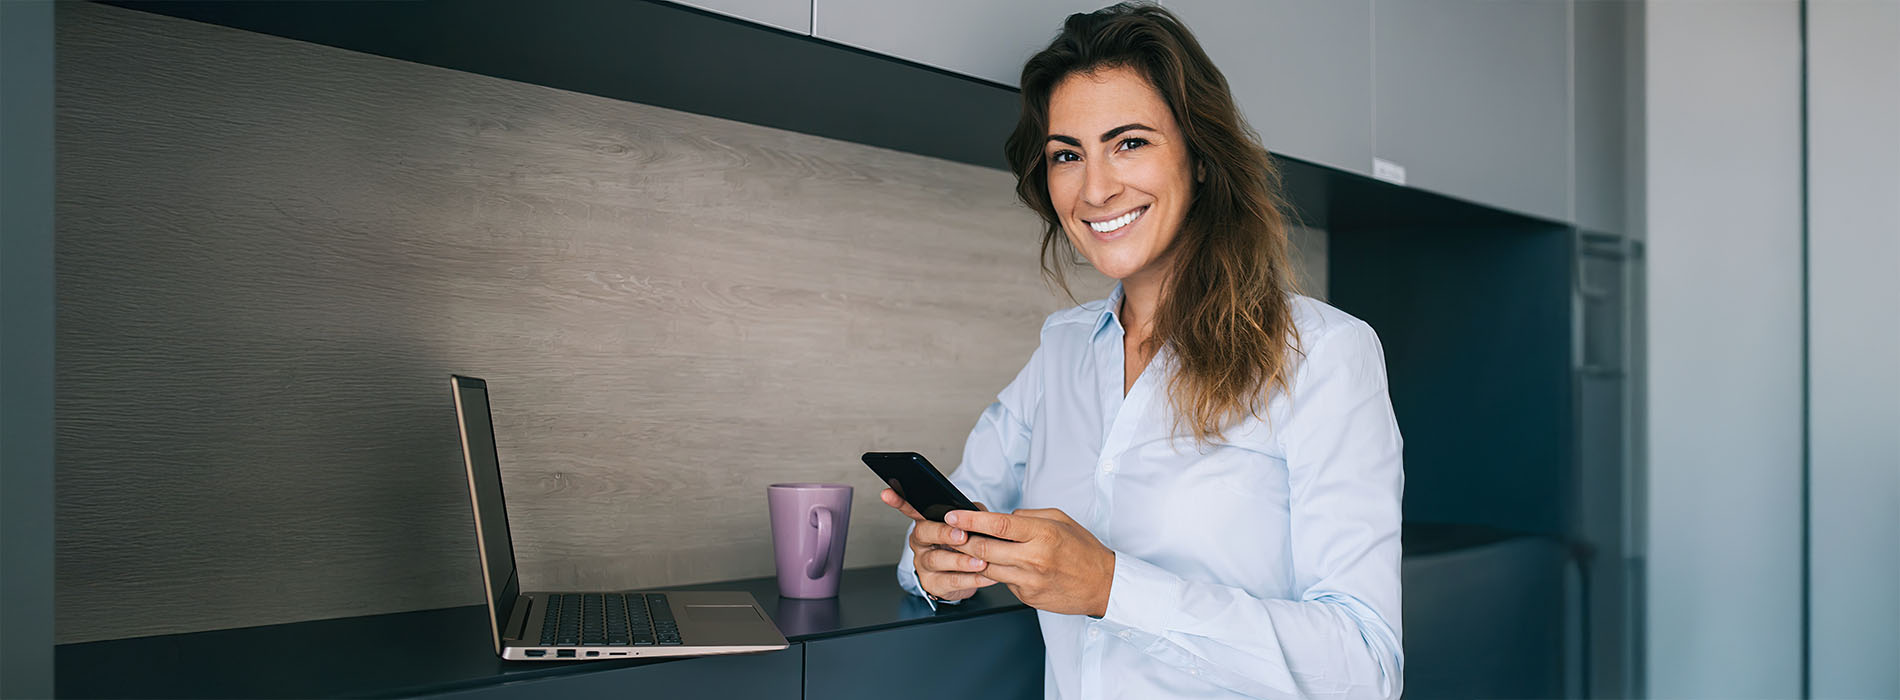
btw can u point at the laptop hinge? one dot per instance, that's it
(518, 619)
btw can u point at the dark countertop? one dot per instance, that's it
(429, 651)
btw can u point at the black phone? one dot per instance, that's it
(918, 483)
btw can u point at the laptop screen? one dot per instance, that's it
(484, 479)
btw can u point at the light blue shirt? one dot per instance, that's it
(1264, 565)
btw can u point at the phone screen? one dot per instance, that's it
(918, 482)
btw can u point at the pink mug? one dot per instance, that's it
(808, 529)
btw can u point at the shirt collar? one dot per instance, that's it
(1109, 314)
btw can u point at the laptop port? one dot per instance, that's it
(564, 653)
(593, 653)
(537, 652)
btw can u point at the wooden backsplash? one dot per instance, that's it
(272, 254)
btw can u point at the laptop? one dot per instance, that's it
(562, 626)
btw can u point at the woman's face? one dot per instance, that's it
(1118, 170)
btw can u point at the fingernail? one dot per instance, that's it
(959, 536)
(950, 518)
(975, 561)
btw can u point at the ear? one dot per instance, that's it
(1200, 172)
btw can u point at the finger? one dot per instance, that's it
(930, 532)
(993, 551)
(980, 506)
(948, 560)
(1055, 514)
(998, 525)
(955, 586)
(1011, 575)
(890, 498)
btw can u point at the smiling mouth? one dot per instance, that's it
(1115, 224)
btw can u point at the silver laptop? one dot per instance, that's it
(584, 625)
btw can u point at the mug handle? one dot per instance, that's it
(821, 517)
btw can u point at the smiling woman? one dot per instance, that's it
(1104, 188)
(1196, 481)
(1165, 143)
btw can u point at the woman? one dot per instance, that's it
(1197, 479)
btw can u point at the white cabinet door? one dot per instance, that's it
(1472, 99)
(988, 39)
(1604, 36)
(789, 15)
(1300, 69)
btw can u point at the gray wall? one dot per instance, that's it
(271, 254)
(1724, 320)
(1854, 338)
(26, 349)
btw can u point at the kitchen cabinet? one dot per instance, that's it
(1301, 71)
(986, 39)
(790, 15)
(1603, 73)
(1471, 98)
(872, 641)
(769, 676)
(998, 655)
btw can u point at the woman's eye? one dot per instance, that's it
(1131, 144)
(1064, 157)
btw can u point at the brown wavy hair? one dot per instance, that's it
(1226, 307)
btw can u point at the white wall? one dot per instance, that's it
(1724, 325)
(1854, 341)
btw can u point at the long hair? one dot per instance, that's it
(1226, 307)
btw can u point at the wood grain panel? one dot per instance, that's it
(271, 254)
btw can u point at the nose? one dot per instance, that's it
(1100, 183)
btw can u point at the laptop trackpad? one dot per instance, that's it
(722, 614)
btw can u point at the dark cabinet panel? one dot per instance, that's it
(1485, 621)
(993, 656)
(768, 676)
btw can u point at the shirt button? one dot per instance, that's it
(1094, 632)
(1108, 466)
(1125, 634)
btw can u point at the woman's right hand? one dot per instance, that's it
(941, 571)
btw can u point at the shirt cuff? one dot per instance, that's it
(1135, 594)
(907, 579)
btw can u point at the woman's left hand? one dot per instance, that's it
(1047, 559)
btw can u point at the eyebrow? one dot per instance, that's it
(1117, 131)
(1106, 135)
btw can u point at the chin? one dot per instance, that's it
(1118, 259)
(1115, 272)
(1113, 266)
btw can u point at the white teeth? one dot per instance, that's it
(1117, 222)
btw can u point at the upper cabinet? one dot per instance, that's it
(1604, 73)
(1519, 105)
(789, 15)
(1472, 99)
(1300, 69)
(988, 39)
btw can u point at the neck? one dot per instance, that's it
(1141, 296)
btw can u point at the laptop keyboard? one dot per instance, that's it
(609, 619)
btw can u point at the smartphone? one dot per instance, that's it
(918, 483)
